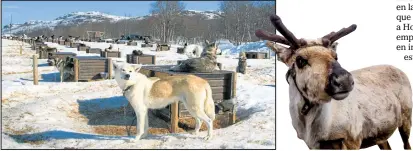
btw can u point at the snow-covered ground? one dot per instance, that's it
(81, 114)
(373, 43)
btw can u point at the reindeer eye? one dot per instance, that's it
(301, 62)
(336, 58)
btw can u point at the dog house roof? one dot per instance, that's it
(89, 58)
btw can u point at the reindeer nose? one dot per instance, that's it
(127, 76)
(340, 82)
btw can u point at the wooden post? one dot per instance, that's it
(174, 117)
(76, 70)
(154, 59)
(35, 73)
(110, 68)
(21, 50)
(233, 115)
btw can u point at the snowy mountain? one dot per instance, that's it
(77, 18)
(74, 18)
(204, 14)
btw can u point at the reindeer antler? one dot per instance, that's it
(288, 39)
(334, 36)
(292, 41)
(278, 24)
(271, 37)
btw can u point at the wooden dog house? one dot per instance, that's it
(256, 55)
(163, 47)
(61, 42)
(121, 42)
(45, 52)
(146, 45)
(132, 43)
(67, 43)
(93, 50)
(82, 48)
(142, 59)
(88, 68)
(114, 54)
(74, 45)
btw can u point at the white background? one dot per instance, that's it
(372, 43)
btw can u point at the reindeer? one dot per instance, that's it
(332, 108)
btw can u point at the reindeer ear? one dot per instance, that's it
(334, 46)
(283, 53)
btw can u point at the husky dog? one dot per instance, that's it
(109, 48)
(137, 52)
(242, 63)
(65, 67)
(153, 93)
(146, 39)
(38, 39)
(69, 39)
(206, 63)
(195, 51)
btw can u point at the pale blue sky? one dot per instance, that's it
(23, 11)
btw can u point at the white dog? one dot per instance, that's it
(154, 93)
(195, 51)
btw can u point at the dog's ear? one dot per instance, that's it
(137, 67)
(115, 65)
(206, 42)
(214, 44)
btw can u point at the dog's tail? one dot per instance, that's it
(209, 105)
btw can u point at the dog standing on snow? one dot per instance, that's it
(154, 93)
(64, 66)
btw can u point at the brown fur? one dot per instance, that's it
(164, 87)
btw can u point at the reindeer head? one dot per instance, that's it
(313, 63)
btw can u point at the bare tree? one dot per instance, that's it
(167, 12)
